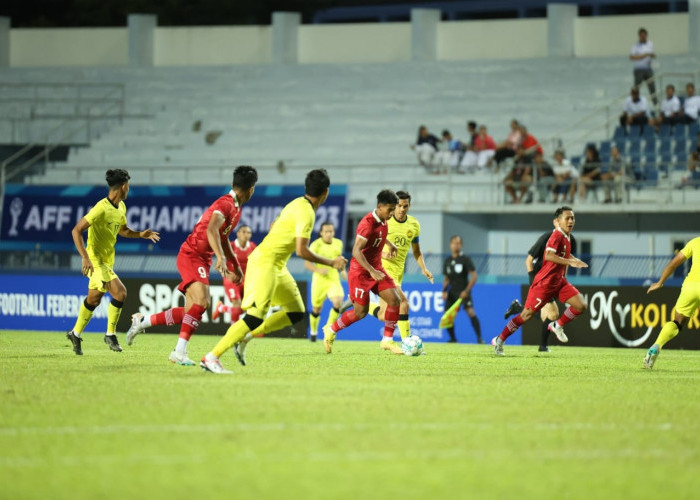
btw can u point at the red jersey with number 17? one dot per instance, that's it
(242, 254)
(560, 244)
(227, 206)
(374, 230)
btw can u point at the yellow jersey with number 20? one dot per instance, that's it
(402, 235)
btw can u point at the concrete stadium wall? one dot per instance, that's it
(344, 43)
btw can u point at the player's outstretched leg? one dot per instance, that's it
(139, 322)
(391, 316)
(510, 328)
(331, 331)
(668, 331)
(76, 341)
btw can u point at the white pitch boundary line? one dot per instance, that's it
(641, 453)
(286, 426)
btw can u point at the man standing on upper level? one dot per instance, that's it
(641, 54)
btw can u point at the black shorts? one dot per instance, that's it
(466, 304)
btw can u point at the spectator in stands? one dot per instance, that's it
(449, 153)
(590, 173)
(642, 54)
(426, 146)
(670, 109)
(691, 106)
(693, 167)
(473, 134)
(635, 110)
(565, 175)
(529, 146)
(483, 151)
(519, 178)
(615, 177)
(507, 148)
(545, 176)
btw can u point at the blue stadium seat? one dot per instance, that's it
(693, 130)
(620, 133)
(665, 145)
(680, 147)
(680, 131)
(651, 176)
(635, 130)
(664, 130)
(650, 145)
(634, 149)
(604, 148)
(648, 133)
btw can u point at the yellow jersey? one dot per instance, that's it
(402, 235)
(690, 249)
(105, 222)
(329, 251)
(296, 220)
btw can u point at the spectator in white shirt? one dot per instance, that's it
(642, 53)
(670, 108)
(691, 106)
(565, 175)
(635, 110)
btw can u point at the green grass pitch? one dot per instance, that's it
(360, 423)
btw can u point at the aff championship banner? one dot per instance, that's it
(46, 214)
(622, 317)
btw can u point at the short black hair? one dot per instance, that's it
(445, 132)
(456, 236)
(387, 197)
(471, 124)
(242, 226)
(244, 177)
(670, 86)
(691, 85)
(403, 195)
(326, 223)
(642, 30)
(317, 181)
(117, 177)
(561, 210)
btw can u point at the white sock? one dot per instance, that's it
(109, 334)
(145, 321)
(181, 346)
(248, 337)
(210, 357)
(387, 339)
(75, 333)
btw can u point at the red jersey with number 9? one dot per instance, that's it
(374, 230)
(560, 244)
(227, 206)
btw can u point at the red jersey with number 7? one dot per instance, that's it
(560, 244)
(374, 230)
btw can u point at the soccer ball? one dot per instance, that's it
(412, 345)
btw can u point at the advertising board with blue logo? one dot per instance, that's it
(45, 215)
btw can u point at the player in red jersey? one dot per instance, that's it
(210, 236)
(367, 274)
(242, 247)
(550, 282)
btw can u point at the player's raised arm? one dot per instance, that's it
(77, 233)
(360, 243)
(126, 232)
(668, 271)
(303, 251)
(418, 255)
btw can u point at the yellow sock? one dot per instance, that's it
(113, 314)
(669, 331)
(404, 328)
(84, 316)
(332, 316)
(234, 334)
(313, 323)
(373, 309)
(275, 321)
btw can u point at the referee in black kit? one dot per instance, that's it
(533, 263)
(460, 278)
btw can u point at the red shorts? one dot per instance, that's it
(233, 290)
(542, 293)
(192, 267)
(360, 283)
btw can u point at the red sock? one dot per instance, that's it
(347, 319)
(191, 321)
(235, 313)
(391, 316)
(170, 317)
(510, 328)
(568, 315)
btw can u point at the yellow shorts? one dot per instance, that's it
(689, 299)
(267, 284)
(322, 288)
(395, 275)
(100, 276)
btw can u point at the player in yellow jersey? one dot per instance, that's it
(325, 282)
(268, 280)
(688, 300)
(104, 222)
(404, 230)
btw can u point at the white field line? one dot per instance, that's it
(635, 454)
(286, 426)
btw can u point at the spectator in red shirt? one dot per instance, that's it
(483, 151)
(507, 148)
(528, 147)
